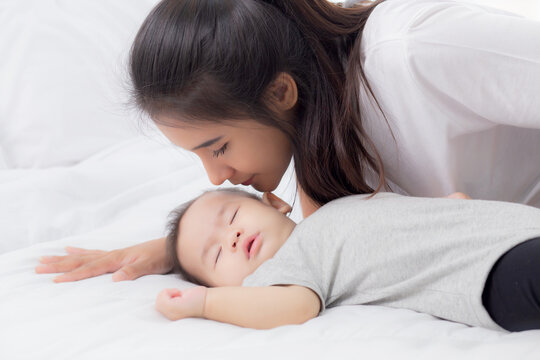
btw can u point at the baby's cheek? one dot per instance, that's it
(232, 278)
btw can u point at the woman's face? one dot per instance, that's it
(243, 152)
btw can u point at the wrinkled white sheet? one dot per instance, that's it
(63, 79)
(120, 197)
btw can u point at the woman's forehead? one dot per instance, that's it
(193, 138)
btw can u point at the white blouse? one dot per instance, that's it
(460, 86)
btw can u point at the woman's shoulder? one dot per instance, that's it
(398, 20)
(392, 19)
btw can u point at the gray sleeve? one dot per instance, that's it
(279, 271)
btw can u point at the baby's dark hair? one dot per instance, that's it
(173, 230)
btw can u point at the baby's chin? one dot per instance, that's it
(231, 282)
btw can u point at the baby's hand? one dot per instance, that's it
(176, 304)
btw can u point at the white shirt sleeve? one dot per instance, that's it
(459, 84)
(483, 59)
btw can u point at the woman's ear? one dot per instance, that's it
(282, 92)
(275, 202)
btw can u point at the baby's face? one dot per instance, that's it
(224, 237)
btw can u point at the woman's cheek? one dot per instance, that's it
(248, 163)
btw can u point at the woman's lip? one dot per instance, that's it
(249, 181)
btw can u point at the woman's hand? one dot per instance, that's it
(458, 195)
(176, 304)
(127, 264)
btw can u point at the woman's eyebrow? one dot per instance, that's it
(207, 143)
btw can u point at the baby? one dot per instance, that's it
(469, 261)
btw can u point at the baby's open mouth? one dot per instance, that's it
(250, 245)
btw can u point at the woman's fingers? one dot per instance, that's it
(76, 250)
(88, 270)
(126, 264)
(77, 274)
(130, 272)
(62, 265)
(50, 264)
(51, 259)
(77, 267)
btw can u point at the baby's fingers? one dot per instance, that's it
(166, 295)
(167, 303)
(172, 293)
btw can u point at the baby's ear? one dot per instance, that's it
(275, 202)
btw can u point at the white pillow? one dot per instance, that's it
(3, 162)
(63, 88)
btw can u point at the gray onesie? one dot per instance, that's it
(427, 255)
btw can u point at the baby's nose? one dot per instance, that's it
(235, 240)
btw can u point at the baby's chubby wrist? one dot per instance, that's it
(197, 295)
(204, 292)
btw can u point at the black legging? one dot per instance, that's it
(512, 292)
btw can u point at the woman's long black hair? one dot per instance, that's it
(211, 60)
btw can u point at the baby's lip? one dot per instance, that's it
(247, 242)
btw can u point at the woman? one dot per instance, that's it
(442, 93)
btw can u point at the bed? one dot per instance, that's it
(80, 167)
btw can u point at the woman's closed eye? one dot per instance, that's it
(220, 151)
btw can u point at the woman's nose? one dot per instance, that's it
(217, 173)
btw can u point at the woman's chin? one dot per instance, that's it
(264, 187)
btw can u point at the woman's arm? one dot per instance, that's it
(127, 264)
(488, 64)
(252, 307)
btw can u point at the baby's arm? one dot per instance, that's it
(253, 307)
